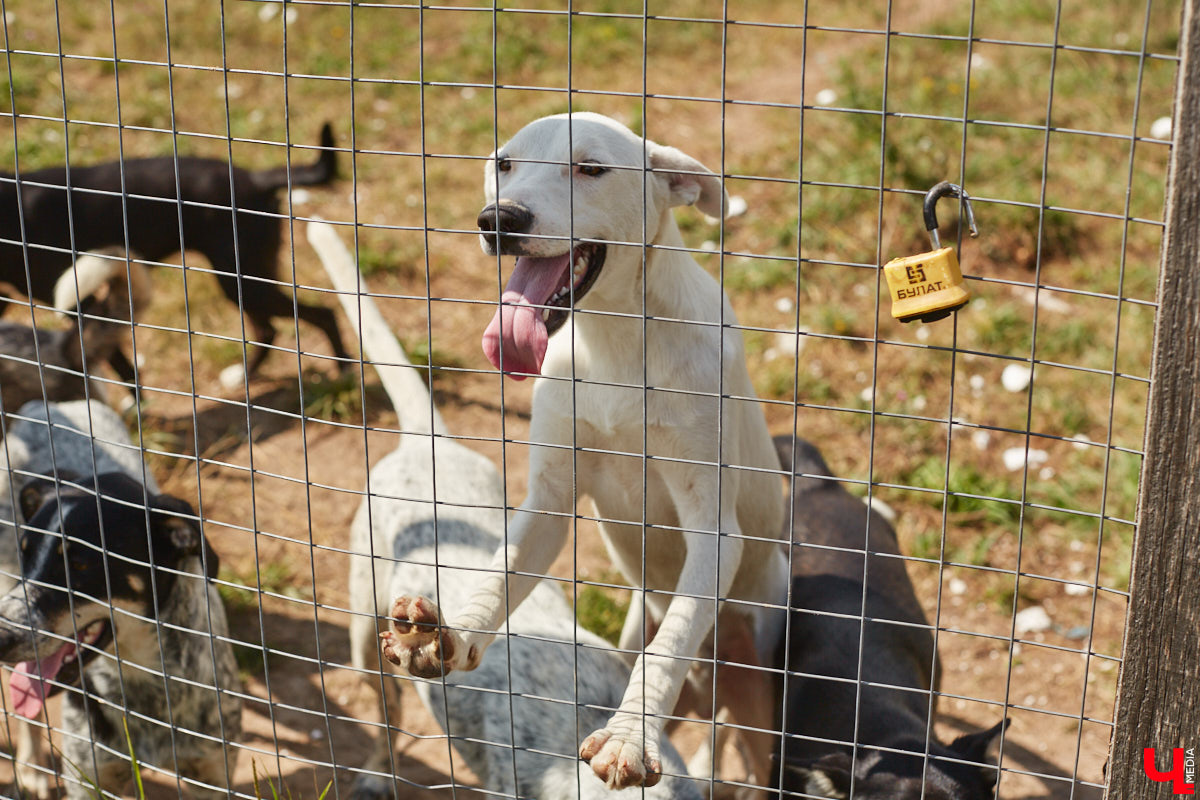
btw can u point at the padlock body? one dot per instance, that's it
(927, 286)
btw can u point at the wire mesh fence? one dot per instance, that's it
(210, 523)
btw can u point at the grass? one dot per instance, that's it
(601, 610)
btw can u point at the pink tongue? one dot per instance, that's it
(27, 685)
(518, 328)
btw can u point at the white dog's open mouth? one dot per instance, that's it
(29, 685)
(536, 303)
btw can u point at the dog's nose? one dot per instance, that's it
(505, 217)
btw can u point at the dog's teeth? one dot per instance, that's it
(545, 314)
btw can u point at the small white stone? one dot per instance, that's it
(1015, 458)
(861, 290)
(919, 402)
(981, 439)
(291, 16)
(1046, 473)
(784, 304)
(316, 734)
(957, 586)
(467, 92)
(980, 62)
(1016, 377)
(1076, 546)
(1033, 620)
(861, 376)
(867, 394)
(976, 382)
(737, 206)
(923, 333)
(826, 97)
(1081, 441)
(1044, 300)
(1161, 128)
(1121, 38)
(300, 196)
(233, 376)
(268, 12)
(1077, 589)
(790, 344)
(708, 246)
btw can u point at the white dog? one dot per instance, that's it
(645, 386)
(515, 719)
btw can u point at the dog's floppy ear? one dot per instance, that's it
(689, 181)
(33, 495)
(38, 490)
(173, 528)
(974, 747)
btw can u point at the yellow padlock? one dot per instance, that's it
(928, 286)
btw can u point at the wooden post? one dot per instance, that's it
(1158, 699)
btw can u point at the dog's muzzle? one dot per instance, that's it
(504, 222)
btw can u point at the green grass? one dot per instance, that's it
(600, 610)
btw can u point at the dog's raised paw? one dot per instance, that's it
(620, 761)
(418, 641)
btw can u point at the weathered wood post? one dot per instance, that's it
(1158, 700)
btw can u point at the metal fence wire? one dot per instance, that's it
(201, 551)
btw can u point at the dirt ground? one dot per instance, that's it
(292, 520)
(278, 487)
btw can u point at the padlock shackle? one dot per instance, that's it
(937, 193)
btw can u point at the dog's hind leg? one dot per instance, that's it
(325, 320)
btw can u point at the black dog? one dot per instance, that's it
(823, 698)
(245, 264)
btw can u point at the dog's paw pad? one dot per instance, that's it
(413, 614)
(619, 761)
(418, 642)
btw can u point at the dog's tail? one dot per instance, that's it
(95, 276)
(400, 380)
(323, 170)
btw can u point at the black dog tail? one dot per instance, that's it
(323, 170)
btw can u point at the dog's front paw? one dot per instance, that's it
(419, 642)
(620, 758)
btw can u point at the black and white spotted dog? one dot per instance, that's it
(108, 601)
(516, 719)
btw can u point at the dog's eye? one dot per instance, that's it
(591, 169)
(503, 164)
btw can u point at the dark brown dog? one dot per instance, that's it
(53, 365)
(832, 532)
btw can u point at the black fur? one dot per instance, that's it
(832, 534)
(245, 266)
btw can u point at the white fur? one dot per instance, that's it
(524, 695)
(697, 384)
(93, 271)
